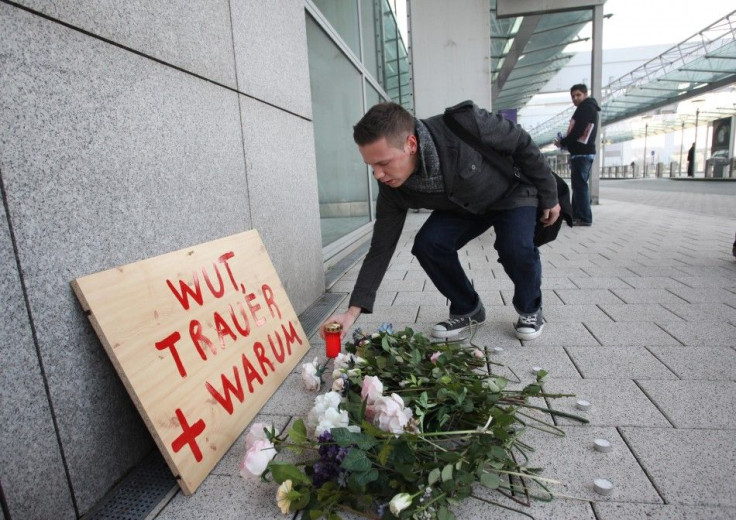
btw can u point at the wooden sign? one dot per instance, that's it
(201, 338)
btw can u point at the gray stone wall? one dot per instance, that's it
(127, 130)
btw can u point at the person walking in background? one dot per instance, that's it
(580, 143)
(691, 161)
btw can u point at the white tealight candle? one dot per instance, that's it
(536, 370)
(602, 445)
(602, 486)
(582, 404)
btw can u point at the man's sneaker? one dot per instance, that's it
(530, 326)
(455, 326)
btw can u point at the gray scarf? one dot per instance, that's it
(427, 177)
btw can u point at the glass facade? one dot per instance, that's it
(357, 58)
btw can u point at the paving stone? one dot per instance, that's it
(390, 314)
(702, 334)
(695, 404)
(502, 297)
(619, 363)
(225, 498)
(697, 282)
(630, 334)
(614, 402)
(491, 284)
(556, 509)
(564, 334)
(649, 271)
(704, 312)
(662, 296)
(693, 467)
(403, 285)
(611, 511)
(621, 272)
(706, 363)
(574, 313)
(705, 295)
(587, 296)
(562, 272)
(549, 297)
(420, 298)
(652, 312)
(518, 363)
(652, 282)
(494, 313)
(573, 462)
(602, 282)
(557, 283)
(291, 398)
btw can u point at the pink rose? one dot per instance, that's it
(479, 353)
(435, 356)
(372, 389)
(390, 415)
(256, 433)
(256, 459)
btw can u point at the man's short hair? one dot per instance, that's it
(389, 120)
(582, 87)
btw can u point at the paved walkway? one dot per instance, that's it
(641, 322)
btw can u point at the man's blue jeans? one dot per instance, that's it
(579, 175)
(444, 233)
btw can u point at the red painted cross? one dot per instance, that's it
(188, 436)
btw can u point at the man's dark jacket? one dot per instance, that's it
(580, 138)
(472, 185)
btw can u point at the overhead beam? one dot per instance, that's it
(511, 8)
(525, 32)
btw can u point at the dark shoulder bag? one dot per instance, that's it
(542, 234)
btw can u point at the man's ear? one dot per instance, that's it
(411, 140)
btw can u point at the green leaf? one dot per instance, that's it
(356, 460)
(298, 432)
(490, 480)
(445, 514)
(447, 473)
(283, 471)
(434, 476)
(315, 514)
(344, 438)
(363, 478)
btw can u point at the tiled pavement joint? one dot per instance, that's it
(659, 408)
(641, 464)
(671, 335)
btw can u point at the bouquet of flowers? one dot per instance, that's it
(408, 429)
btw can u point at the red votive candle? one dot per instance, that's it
(333, 331)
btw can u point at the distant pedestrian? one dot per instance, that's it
(691, 161)
(580, 142)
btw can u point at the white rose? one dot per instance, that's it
(332, 418)
(372, 389)
(256, 459)
(322, 403)
(309, 375)
(338, 385)
(399, 503)
(390, 415)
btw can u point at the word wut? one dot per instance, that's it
(251, 310)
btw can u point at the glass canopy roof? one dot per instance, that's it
(527, 51)
(704, 62)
